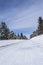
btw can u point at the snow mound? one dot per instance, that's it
(22, 52)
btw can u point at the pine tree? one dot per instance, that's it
(40, 26)
(39, 30)
(18, 36)
(4, 31)
(21, 36)
(12, 35)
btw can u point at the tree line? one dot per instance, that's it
(39, 30)
(5, 33)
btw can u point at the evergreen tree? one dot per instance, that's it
(39, 30)
(40, 26)
(18, 36)
(21, 36)
(12, 35)
(4, 31)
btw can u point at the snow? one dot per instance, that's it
(22, 52)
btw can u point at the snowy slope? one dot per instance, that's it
(22, 52)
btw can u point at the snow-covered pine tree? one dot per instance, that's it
(4, 31)
(40, 26)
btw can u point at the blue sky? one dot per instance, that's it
(21, 15)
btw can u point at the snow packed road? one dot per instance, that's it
(22, 52)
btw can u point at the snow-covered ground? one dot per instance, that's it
(22, 52)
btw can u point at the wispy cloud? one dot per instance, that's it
(23, 14)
